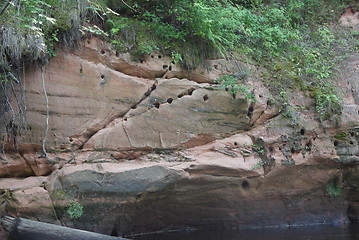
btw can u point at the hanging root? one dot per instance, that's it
(47, 113)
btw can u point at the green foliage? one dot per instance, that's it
(327, 104)
(233, 83)
(334, 189)
(75, 209)
(341, 136)
(258, 149)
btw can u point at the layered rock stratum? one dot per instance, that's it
(145, 145)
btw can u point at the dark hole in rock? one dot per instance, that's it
(260, 95)
(250, 111)
(134, 107)
(170, 68)
(215, 66)
(81, 70)
(103, 52)
(125, 119)
(336, 143)
(117, 53)
(226, 89)
(170, 100)
(351, 142)
(114, 232)
(292, 150)
(159, 56)
(152, 56)
(88, 41)
(191, 91)
(205, 97)
(157, 105)
(103, 76)
(234, 96)
(271, 149)
(302, 131)
(280, 148)
(165, 66)
(141, 61)
(308, 146)
(235, 144)
(353, 212)
(352, 134)
(181, 95)
(153, 87)
(245, 184)
(71, 140)
(173, 62)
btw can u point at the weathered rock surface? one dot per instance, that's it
(147, 146)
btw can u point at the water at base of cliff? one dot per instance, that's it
(317, 232)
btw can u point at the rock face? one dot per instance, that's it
(144, 146)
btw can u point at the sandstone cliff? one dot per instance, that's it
(146, 146)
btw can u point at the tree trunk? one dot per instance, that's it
(23, 229)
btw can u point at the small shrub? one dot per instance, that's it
(75, 209)
(333, 188)
(234, 84)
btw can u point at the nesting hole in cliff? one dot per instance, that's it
(88, 41)
(226, 89)
(141, 61)
(245, 185)
(157, 105)
(71, 140)
(271, 149)
(180, 95)
(170, 100)
(153, 87)
(81, 70)
(235, 144)
(159, 56)
(234, 96)
(134, 107)
(292, 150)
(302, 131)
(250, 111)
(190, 91)
(117, 53)
(102, 76)
(102, 52)
(336, 143)
(152, 56)
(165, 66)
(205, 97)
(125, 119)
(170, 68)
(351, 142)
(215, 66)
(260, 95)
